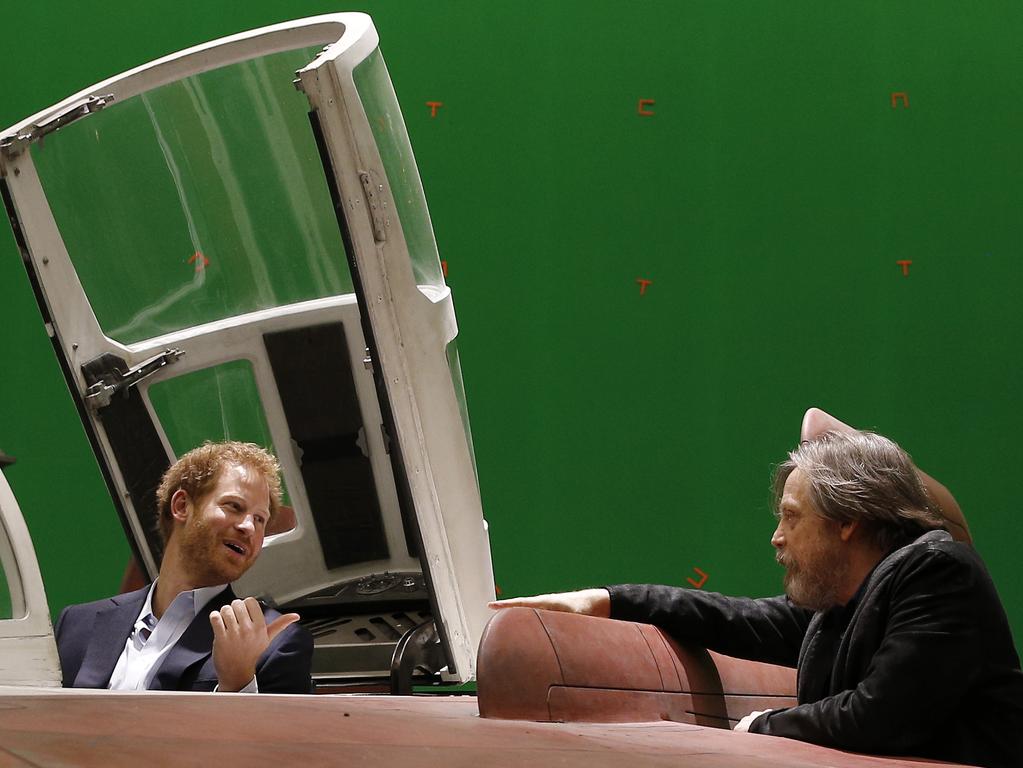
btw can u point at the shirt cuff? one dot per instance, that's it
(759, 725)
(611, 590)
(250, 687)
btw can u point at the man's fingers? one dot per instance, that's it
(254, 611)
(229, 619)
(553, 602)
(234, 617)
(589, 602)
(522, 602)
(743, 725)
(218, 625)
(514, 602)
(279, 624)
(241, 637)
(240, 609)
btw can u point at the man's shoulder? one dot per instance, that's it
(940, 547)
(935, 558)
(125, 598)
(935, 546)
(78, 620)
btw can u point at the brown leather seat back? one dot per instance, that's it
(550, 666)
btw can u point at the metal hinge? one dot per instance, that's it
(375, 204)
(13, 145)
(99, 394)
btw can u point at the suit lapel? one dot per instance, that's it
(195, 645)
(110, 630)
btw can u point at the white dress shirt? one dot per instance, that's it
(151, 640)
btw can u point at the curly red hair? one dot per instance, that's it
(197, 472)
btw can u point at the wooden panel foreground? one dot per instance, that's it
(59, 727)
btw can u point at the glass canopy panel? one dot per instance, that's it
(217, 403)
(195, 201)
(381, 105)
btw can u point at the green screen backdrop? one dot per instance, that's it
(670, 227)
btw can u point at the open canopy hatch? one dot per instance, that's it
(233, 242)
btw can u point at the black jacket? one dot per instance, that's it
(920, 663)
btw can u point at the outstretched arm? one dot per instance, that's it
(768, 630)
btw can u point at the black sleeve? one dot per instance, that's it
(768, 629)
(916, 679)
(286, 666)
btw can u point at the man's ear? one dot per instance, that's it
(179, 504)
(847, 529)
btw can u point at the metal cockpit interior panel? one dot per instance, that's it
(232, 242)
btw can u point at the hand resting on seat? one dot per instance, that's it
(588, 602)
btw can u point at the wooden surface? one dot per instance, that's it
(100, 728)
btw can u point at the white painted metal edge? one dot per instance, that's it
(412, 331)
(28, 652)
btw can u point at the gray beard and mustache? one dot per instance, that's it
(815, 581)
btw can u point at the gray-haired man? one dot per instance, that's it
(902, 644)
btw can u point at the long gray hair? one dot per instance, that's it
(867, 477)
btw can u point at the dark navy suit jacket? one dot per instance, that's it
(91, 638)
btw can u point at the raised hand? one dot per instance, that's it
(240, 635)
